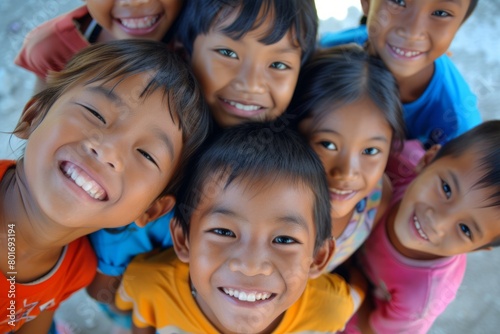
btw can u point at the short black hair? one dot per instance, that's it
(200, 16)
(484, 140)
(472, 7)
(254, 152)
(341, 75)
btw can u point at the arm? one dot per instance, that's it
(41, 324)
(145, 330)
(103, 289)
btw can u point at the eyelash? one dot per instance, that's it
(283, 239)
(446, 189)
(327, 144)
(365, 151)
(147, 156)
(466, 230)
(446, 14)
(227, 53)
(223, 232)
(399, 3)
(94, 113)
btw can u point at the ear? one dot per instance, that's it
(427, 158)
(31, 117)
(159, 207)
(181, 241)
(365, 5)
(322, 258)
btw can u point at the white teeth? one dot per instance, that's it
(407, 54)
(242, 106)
(419, 229)
(247, 297)
(81, 180)
(140, 23)
(340, 192)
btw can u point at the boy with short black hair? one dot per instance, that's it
(253, 223)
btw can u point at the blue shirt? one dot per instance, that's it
(446, 109)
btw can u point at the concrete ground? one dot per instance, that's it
(477, 306)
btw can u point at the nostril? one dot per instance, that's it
(94, 151)
(112, 166)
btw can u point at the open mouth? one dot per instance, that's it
(243, 107)
(419, 228)
(83, 180)
(140, 23)
(247, 296)
(404, 52)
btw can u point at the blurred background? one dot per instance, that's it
(474, 50)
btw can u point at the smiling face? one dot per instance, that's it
(102, 154)
(245, 80)
(442, 213)
(150, 19)
(410, 35)
(250, 260)
(353, 143)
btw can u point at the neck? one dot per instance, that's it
(340, 223)
(412, 87)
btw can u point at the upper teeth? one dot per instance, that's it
(248, 297)
(83, 181)
(405, 53)
(140, 23)
(242, 106)
(419, 229)
(340, 192)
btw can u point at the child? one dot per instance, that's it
(247, 54)
(349, 111)
(253, 223)
(411, 37)
(50, 46)
(106, 144)
(416, 256)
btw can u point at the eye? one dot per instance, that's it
(466, 230)
(223, 232)
(371, 151)
(147, 156)
(446, 188)
(95, 113)
(283, 239)
(441, 13)
(328, 145)
(280, 66)
(401, 3)
(228, 53)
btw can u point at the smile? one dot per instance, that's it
(243, 107)
(247, 296)
(83, 180)
(140, 23)
(405, 53)
(341, 192)
(419, 228)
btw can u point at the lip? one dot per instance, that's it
(139, 31)
(341, 194)
(101, 193)
(243, 303)
(418, 228)
(404, 53)
(232, 107)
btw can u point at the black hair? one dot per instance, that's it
(200, 16)
(341, 75)
(256, 152)
(125, 58)
(472, 7)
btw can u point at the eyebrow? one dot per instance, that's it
(291, 218)
(380, 138)
(455, 180)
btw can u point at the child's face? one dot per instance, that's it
(442, 214)
(410, 35)
(102, 154)
(245, 80)
(124, 19)
(353, 143)
(250, 251)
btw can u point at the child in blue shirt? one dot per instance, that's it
(412, 38)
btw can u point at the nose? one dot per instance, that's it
(345, 166)
(251, 261)
(443, 218)
(106, 150)
(250, 78)
(413, 26)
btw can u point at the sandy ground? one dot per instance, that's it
(477, 306)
